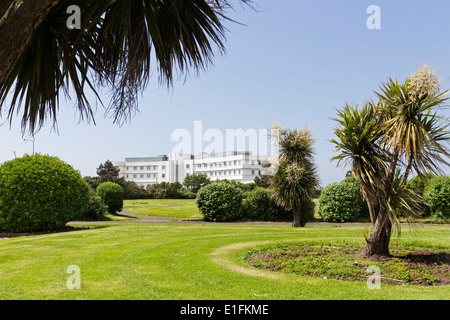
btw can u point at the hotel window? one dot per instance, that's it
(149, 168)
(199, 166)
(187, 166)
(134, 176)
(128, 168)
(163, 167)
(142, 168)
(253, 171)
(155, 167)
(148, 176)
(163, 175)
(127, 176)
(141, 176)
(134, 168)
(205, 165)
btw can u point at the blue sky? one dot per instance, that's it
(293, 61)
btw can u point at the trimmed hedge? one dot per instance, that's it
(219, 202)
(112, 195)
(40, 193)
(342, 202)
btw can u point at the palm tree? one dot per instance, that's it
(117, 46)
(295, 180)
(386, 141)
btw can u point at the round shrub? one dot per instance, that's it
(260, 205)
(342, 202)
(112, 195)
(437, 197)
(40, 193)
(219, 202)
(96, 209)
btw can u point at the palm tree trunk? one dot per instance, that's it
(299, 220)
(380, 236)
(19, 20)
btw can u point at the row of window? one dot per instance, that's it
(145, 176)
(210, 174)
(223, 164)
(141, 168)
(228, 173)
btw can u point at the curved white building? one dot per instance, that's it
(240, 166)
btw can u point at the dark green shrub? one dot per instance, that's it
(219, 202)
(437, 197)
(308, 207)
(112, 195)
(342, 202)
(259, 205)
(96, 210)
(40, 193)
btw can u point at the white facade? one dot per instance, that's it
(239, 166)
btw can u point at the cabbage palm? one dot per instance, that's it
(117, 47)
(359, 135)
(385, 142)
(296, 177)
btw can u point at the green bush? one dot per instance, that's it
(259, 205)
(96, 210)
(40, 193)
(342, 202)
(219, 202)
(112, 195)
(308, 207)
(437, 197)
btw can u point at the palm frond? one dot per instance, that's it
(116, 47)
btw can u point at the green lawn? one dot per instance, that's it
(188, 261)
(178, 208)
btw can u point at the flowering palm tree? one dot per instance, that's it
(296, 178)
(386, 141)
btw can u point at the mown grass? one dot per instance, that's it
(188, 261)
(178, 208)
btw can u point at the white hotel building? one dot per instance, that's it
(239, 166)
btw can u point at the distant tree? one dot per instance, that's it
(107, 172)
(195, 181)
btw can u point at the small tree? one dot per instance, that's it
(195, 181)
(296, 177)
(112, 195)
